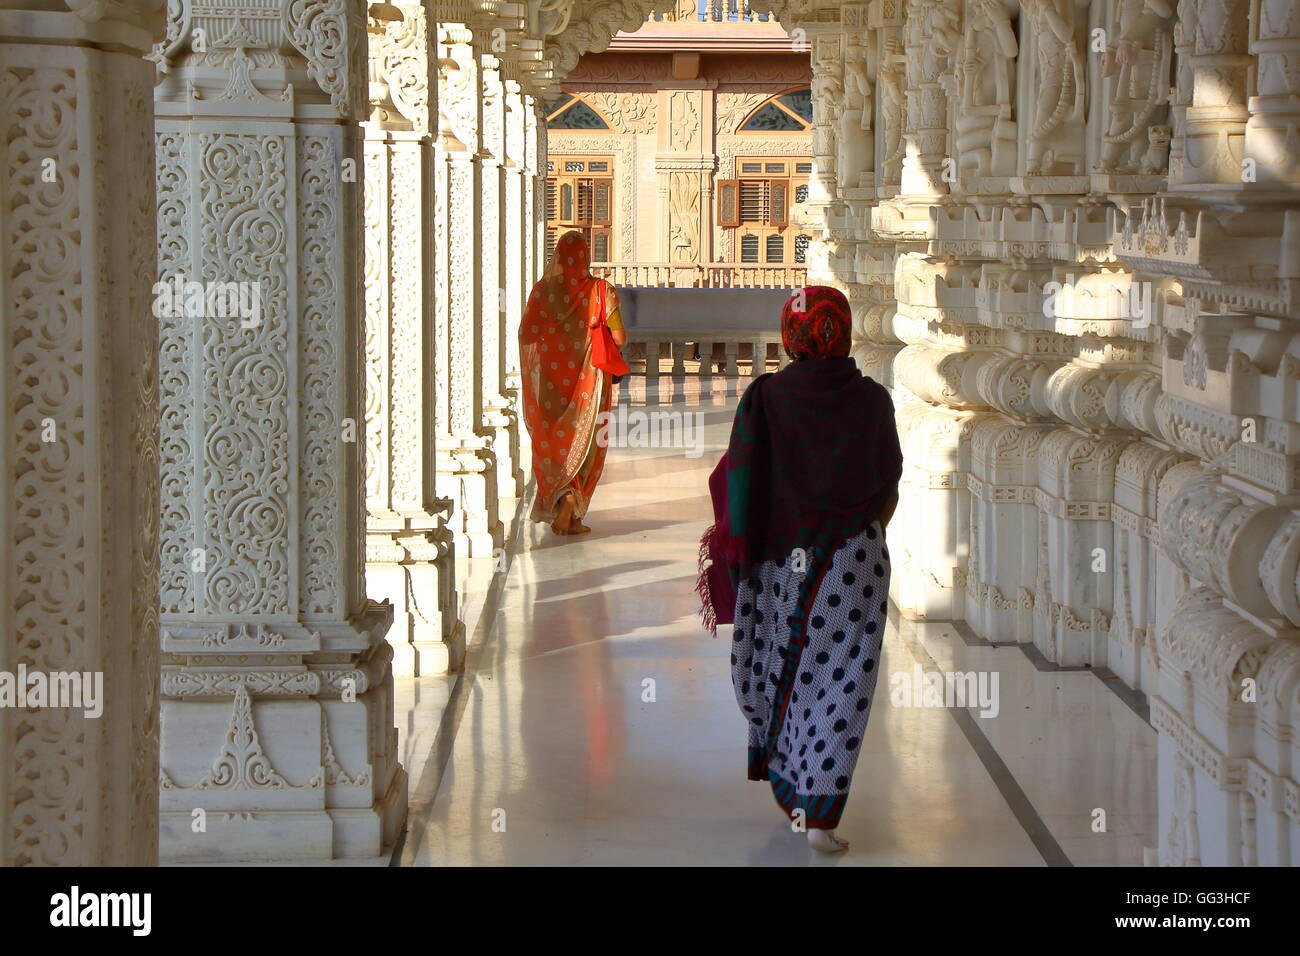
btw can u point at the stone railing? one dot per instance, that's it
(711, 11)
(712, 353)
(707, 275)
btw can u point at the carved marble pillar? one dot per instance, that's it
(277, 723)
(855, 158)
(827, 97)
(533, 191)
(499, 421)
(536, 144)
(930, 35)
(1215, 129)
(516, 236)
(891, 94)
(78, 596)
(1180, 94)
(410, 557)
(466, 465)
(1274, 125)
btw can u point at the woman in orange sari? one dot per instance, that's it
(564, 393)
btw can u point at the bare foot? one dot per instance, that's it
(563, 523)
(576, 526)
(825, 841)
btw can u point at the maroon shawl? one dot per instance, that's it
(813, 458)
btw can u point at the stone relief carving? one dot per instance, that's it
(892, 83)
(982, 89)
(684, 131)
(401, 54)
(684, 217)
(731, 108)
(1136, 71)
(1060, 79)
(627, 112)
(856, 148)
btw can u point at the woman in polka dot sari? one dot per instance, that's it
(563, 393)
(801, 501)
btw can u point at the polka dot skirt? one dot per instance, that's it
(814, 749)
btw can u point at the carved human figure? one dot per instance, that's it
(1135, 68)
(931, 38)
(858, 88)
(1061, 85)
(856, 149)
(983, 87)
(893, 109)
(828, 94)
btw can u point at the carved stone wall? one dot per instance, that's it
(1095, 333)
(78, 372)
(277, 722)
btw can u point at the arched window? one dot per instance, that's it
(569, 112)
(786, 112)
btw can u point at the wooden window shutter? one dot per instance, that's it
(603, 202)
(586, 189)
(552, 210)
(775, 247)
(779, 203)
(566, 217)
(728, 202)
(754, 196)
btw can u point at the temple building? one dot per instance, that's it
(690, 140)
(288, 525)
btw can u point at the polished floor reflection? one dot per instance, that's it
(596, 722)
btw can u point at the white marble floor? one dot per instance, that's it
(597, 725)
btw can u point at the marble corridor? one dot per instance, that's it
(555, 740)
(273, 513)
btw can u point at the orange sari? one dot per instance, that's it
(564, 394)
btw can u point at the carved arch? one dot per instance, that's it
(568, 101)
(775, 100)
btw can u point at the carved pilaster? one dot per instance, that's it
(516, 235)
(466, 464)
(410, 557)
(499, 420)
(79, 379)
(270, 646)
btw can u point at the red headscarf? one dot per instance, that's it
(563, 392)
(816, 323)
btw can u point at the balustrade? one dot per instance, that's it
(706, 275)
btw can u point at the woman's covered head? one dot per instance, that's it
(816, 323)
(571, 255)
